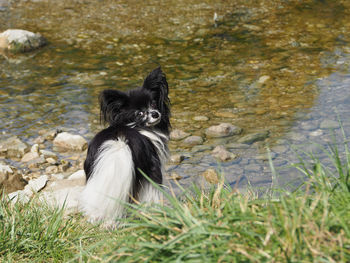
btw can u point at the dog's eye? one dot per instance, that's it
(140, 113)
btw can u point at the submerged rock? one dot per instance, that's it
(222, 130)
(13, 147)
(211, 176)
(177, 135)
(9, 180)
(65, 141)
(193, 140)
(18, 40)
(222, 154)
(251, 138)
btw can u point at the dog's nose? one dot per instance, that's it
(155, 114)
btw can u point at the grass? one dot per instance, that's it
(310, 224)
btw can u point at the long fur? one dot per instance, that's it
(135, 140)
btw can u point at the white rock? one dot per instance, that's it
(67, 141)
(177, 135)
(5, 169)
(36, 185)
(222, 130)
(29, 156)
(18, 40)
(77, 175)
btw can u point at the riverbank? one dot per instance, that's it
(309, 224)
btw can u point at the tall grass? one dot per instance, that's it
(311, 224)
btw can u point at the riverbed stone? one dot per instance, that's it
(9, 180)
(18, 40)
(52, 169)
(13, 147)
(48, 154)
(329, 124)
(78, 175)
(177, 158)
(37, 184)
(193, 140)
(222, 130)
(33, 154)
(200, 118)
(254, 137)
(222, 154)
(211, 176)
(66, 141)
(177, 135)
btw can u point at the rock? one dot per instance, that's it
(211, 176)
(17, 40)
(48, 135)
(222, 154)
(19, 196)
(37, 184)
(35, 163)
(177, 158)
(316, 133)
(78, 175)
(65, 141)
(64, 166)
(13, 147)
(48, 154)
(52, 169)
(10, 181)
(263, 79)
(51, 160)
(193, 140)
(200, 118)
(329, 124)
(222, 130)
(33, 154)
(251, 138)
(174, 176)
(57, 176)
(177, 135)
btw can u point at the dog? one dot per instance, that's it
(134, 143)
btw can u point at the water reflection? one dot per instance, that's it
(256, 68)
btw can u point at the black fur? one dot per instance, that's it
(120, 110)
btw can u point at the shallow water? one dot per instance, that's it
(260, 66)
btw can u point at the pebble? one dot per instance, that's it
(211, 176)
(177, 135)
(251, 138)
(13, 147)
(17, 40)
(193, 140)
(222, 130)
(200, 118)
(78, 175)
(177, 158)
(329, 124)
(222, 154)
(316, 133)
(52, 169)
(65, 141)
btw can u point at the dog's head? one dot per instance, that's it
(148, 106)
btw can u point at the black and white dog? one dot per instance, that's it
(136, 139)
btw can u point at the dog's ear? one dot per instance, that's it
(156, 83)
(111, 102)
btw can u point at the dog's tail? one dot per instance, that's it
(110, 184)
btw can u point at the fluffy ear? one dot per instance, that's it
(111, 101)
(157, 84)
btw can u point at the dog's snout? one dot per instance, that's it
(155, 114)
